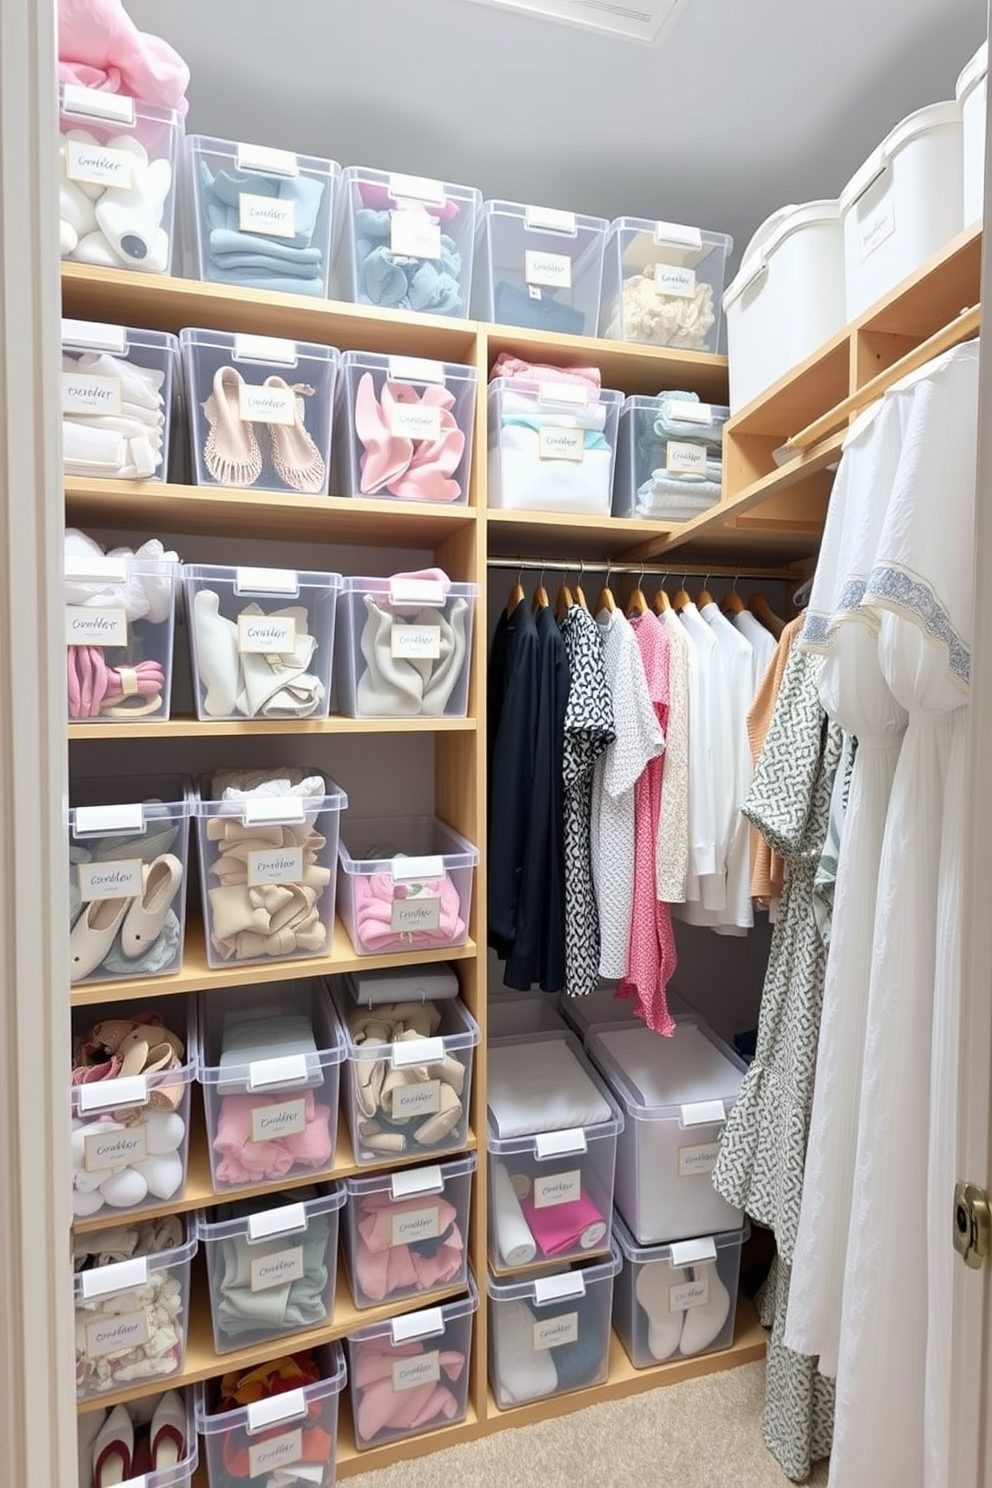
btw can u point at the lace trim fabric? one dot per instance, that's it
(894, 588)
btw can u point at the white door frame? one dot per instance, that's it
(37, 1371)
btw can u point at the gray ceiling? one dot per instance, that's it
(744, 106)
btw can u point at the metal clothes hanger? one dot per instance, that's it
(578, 592)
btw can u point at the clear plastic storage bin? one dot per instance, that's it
(259, 218)
(663, 284)
(286, 1438)
(272, 1269)
(551, 445)
(669, 458)
(405, 884)
(150, 1416)
(539, 267)
(510, 1014)
(676, 1094)
(602, 1005)
(133, 1069)
(131, 1320)
(120, 393)
(270, 1070)
(676, 1301)
(405, 428)
(262, 640)
(552, 1139)
(410, 1375)
(267, 867)
(405, 242)
(406, 1233)
(260, 410)
(550, 1334)
(407, 1077)
(128, 858)
(404, 647)
(120, 613)
(118, 159)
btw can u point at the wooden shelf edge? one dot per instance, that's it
(204, 728)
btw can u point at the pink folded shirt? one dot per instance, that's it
(374, 895)
(245, 1161)
(384, 1268)
(564, 1227)
(378, 1407)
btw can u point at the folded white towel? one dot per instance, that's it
(541, 1087)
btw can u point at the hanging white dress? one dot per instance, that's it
(921, 590)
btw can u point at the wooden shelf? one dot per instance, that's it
(197, 976)
(529, 534)
(225, 728)
(627, 365)
(216, 511)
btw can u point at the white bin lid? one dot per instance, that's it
(972, 74)
(659, 1077)
(934, 116)
(772, 234)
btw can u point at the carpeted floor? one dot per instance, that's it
(705, 1433)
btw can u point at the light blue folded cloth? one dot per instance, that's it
(255, 260)
(667, 427)
(222, 191)
(385, 278)
(592, 439)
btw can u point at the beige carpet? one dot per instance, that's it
(705, 1433)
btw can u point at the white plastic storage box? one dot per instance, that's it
(262, 640)
(551, 445)
(404, 647)
(409, 1375)
(663, 284)
(128, 858)
(405, 242)
(145, 1417)
(120, 391)
(407, 1077)
(258, 218)
(405, 884)
(405, 428)
(787, 297)
(550, 1334)
(270, 1070)
(260, 410)
(118, 159)
(132, 1319)
(120, 614)
(971, 93)
(267, 866)
(291, 1437)
(539, 267)
(669, 458)
(272, 1267)
(552, 1139)
(903, 204)
(676, 1094)
(512, 1014)
(406, 1233)
(676, 1301)
(133, 1070)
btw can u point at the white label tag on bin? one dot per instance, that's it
(276, 865)
(414, 369)
(424, 1324)
(558, 1188)
(104, 1149)
(558, 1288)
(264, 349)
(685, 459)
(108, 1095)
(278, 1451)
(678, 235)
(422, 1099)
(288, 1406)
(281, 1221)
(423, 912)
(270, 216)
(686, 1294)
(691, 413)
(696, 1162)
(703, 1113)
(878, 227)
(560, 444)
(98, 165)
(92, 821)
(273, 811)
(86, 393)
(118, 879)
(277, 1269)
(553, 270)
(287, 1119)
(95, 104)
(416, 188)
(407, 869)
(415, 421)
(113, 568)
(119, 1277)
(416, 1051)
(671, 280)
(287, 1069)
(549, 219)
(140, 1482)
(266, 161)
(266, 405)
(415, 642)
(416, 1224)
(266, 581)
(416, 592)
(91, 627)
(553, 1332)
(560, 1143)
(422, 1369)
(266, 635)
(117, 1334)
(93, 335)
(408, 1183)
(692, 1252)
(562, 392)
(412, 234)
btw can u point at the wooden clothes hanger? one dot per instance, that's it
(636, 603)
(661, 602)
(732, 602)
(704, 597)
(579, 593)
(682, 597)
(564, 600)
(540, 600)
(517, 596)
(762, 610)
(606, 600)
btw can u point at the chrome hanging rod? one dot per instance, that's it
(672, 570)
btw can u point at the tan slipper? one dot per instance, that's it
(297, 460)
(443, 1122)
(231, 453)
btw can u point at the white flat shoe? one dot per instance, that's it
(93, 935)
(703, 1325)
(146, 916)
(652, 1289)
(167, 1435)
(113, 1449)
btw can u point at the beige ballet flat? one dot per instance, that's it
(296, 459)
(231, 453)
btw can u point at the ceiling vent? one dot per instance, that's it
(644, 22)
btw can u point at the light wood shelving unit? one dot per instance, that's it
(772, 511)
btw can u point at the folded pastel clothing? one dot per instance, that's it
(667, 424)
(526, 410)
(560, 1229)
(647, 314)
(380, 1407)
(240, 1305)
(393, 685)
(679, 500)
(247, 1037)
(528, 480)
(259, 260)
(514, 305)
(538, 1087)
(101, 47)
(253, 684)
(125, 445)
(407, 283)
(514, 1241)
(508, 365)
(411, 469)
(242, 1160)
(384, 1269)
(524, 1372)
(375, 895)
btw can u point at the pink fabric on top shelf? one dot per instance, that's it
(101, 47)
(506, 365)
